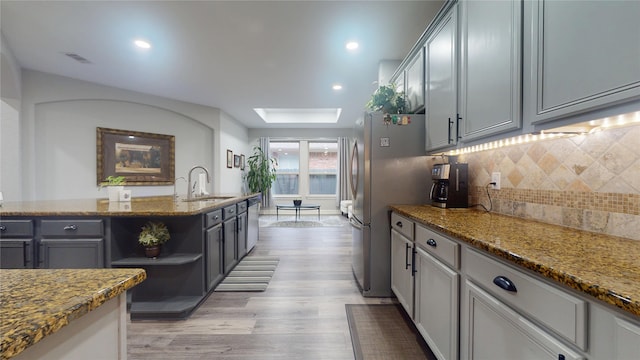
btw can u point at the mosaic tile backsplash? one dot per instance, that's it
(589, 182)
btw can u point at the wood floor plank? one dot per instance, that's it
(299, 316)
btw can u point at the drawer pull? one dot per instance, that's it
(71, 227)
(432, 242)
(505, 283)
(399, 224)
(215, 217)
(3, 228)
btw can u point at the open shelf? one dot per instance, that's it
(164, 260)
(173, 307)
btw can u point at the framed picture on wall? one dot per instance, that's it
(242, 162)
(229, 158)
(236, 161)
(142, 158)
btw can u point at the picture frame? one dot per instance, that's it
(236, 161)
(142, 158)
(229, 159)
(242, 161)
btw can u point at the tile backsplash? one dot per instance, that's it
(589, 182)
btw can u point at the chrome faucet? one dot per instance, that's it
(175, 191)
(189, 189)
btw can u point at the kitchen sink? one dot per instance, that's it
(209, 198)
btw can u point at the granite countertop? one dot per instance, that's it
(142, 206)
(605, 267)
(35, 303)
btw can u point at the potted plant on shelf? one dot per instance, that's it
(114, 185)
(153, 234)
(387, 99)
(262, 171)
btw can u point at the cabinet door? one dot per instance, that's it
(402, 270)
(441, 83)
(584, 56)
(415, 83)
(214, 256)
(16, 253)
(230, 245)
(71, 253)
(490, 67)
(242, 235)
(437, 303)
(494, 331)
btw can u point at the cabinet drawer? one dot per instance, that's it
(559, 311)
(213, 218)
(229, 211)
(444, 249)
(16, 228)
(403, 225)
(242, 207)
(72, 228)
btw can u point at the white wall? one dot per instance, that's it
(59, 120)
(10, 161)
(233, 138)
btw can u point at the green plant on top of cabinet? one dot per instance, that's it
(584, 56)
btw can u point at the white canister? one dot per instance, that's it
(114, 193)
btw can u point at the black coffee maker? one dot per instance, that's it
(450, 188)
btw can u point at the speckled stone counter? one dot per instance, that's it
(142, 206)
(602, 266)
(37, 303)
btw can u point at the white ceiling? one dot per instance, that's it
(232, 55)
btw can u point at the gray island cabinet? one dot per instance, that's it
(207, 241)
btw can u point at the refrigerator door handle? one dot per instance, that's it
(355, 172)
(355, 223)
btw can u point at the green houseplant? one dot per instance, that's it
(114, 185)
(153, 234)
(262, 171)
(387, 99)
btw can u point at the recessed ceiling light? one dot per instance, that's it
(337, 87)
(352, 45)
(299, 116)
(142, 44)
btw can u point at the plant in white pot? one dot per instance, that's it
(153, 234)
(114, 185)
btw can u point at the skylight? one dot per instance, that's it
(299, 116)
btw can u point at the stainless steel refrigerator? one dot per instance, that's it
(388, 166)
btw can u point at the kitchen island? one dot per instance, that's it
(208, 237)
(64, 313)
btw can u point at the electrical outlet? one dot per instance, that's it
(384, 141)
(495, 178)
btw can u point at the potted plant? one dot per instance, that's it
(387, 99)
(153, 234)
(262, 171)
(114, 184)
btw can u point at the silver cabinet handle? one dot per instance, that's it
(432, 242)
(71, 227)
(3, 228)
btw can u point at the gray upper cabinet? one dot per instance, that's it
(415, 83)
(441, 83)
(584, 56)
(490, 67)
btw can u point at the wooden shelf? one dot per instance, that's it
(173, 307)
(164, 260)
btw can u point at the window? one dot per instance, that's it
(287, 154)
(323, 167)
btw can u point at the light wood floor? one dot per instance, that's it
(301, 315)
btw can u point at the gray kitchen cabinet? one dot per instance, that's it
(584, 56)
(495, 331)
(437, 284)
(71, 243)
(401, 270)
(214, 256)
(230, 238)
(441, 99)
(414, 87)
(71, 253)
(490, 68)
(214, 248)
(16, 244)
